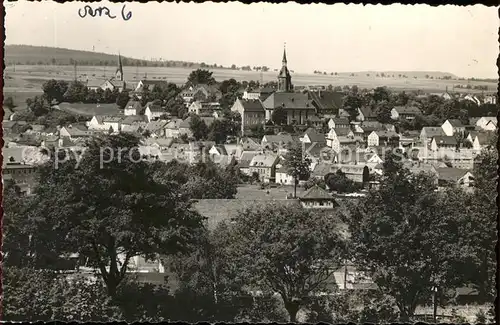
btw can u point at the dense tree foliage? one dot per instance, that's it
(122, 99)
(405, 235)
(109, 209)
(200, 76)
(54, 90)
(287, 250)
(298, 165)
(198, 127)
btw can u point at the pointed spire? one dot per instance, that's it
(284, 54)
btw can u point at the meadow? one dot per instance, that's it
(27, 77)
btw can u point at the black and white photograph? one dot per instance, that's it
(229, 162)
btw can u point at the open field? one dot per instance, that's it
(90, 109)
(29, 77)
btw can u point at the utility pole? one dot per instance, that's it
(75, 70)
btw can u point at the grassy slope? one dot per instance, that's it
(28, 54)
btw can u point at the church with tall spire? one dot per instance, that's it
(119, 69)
(284, 77)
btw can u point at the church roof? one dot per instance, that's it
(288, 100)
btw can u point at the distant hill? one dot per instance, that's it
(42, 55)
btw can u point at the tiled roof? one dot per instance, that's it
(314, 135)
(445, 140)
(387, 134)
(340, 121)
(279, 138)
(408, 110)
(132, 119)
(484, 137)
(367, 112)
(133, 104)
(321, 169)
(154, 108)
(451, 174)
(288, 100)
(432, 131)
(156, 125)
(455, 123)
(342, 132)
(263, 160)
(252, 105)
(316, 193)
(327, 99)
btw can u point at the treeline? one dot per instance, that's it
(435, 109)
(129, 207)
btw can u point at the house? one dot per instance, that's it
(352, 171)
(409, 139)
(385, 138)
(326, 101)
(133, 107)
(428, 132)
(133, 120)
(156, 128)
(472, 98)
(204, 108)
(206, 93)
(357, 129)
(481, 140)
(252, 94)
(317, 198)
(337, 138)
(443, 142)
(321, 169)
(244, 161)
(250, 144)
(75, 132)
(452, 127)
(37, 129)
(150, 85)
(265, 166)
(315, 121)
(252, 112)
(448, 177)
(282, 176)
(405, 112)
(297, 107)
(153, 111)
(313, 136)
(490, 99)
(172, 128)
(278, 140)
(343, 114)
(338, 122)
(105, 123)
(366, 113)
(487, 123)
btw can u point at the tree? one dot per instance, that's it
(340, 183)
(38, 106)
(297, 164)
(122, 99)
(481, 234)
(279, 116)
(352, 102)
(9, 103)
(230, 90)
(388, 222)
(287, 250)
(109, 208)
(381, 93)
(201, 76)
(76, 92)
(383, 110)
(34, 295)
(219, 130)
(210, 288)
(54, 90)
(198, 128)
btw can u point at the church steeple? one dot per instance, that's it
(119, 70)
(284, 56)
(284, 78)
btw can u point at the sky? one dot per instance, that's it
(331, 38)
